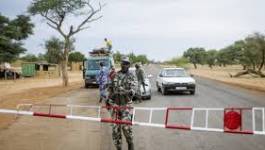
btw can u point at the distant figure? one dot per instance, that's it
(108, 44)
(140, 75)
(102, 79)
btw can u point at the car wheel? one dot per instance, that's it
(148, 97)
(86, 86)
(163, 91)
(158, 88)
(192, 92)
(134, 98)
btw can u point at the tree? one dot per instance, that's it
(178, 61)
(54, 53)
(142, 59)
(252, 51)
(132, 58)
(255, 50)
(54, 47)
(12, 32)
(76, 57)
(223, 57)
(56, 12)
(117, 57)
(41, 57)
(30, 58)
(195, 56)
(211, 57)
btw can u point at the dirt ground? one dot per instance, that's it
(30, 133)
(8, 87)
(33, 91)
(222, 74)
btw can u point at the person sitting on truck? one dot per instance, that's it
(108, 44)
(102, 79)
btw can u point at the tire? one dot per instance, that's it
(192, 92)
(149, 97)
(134, 98)
(86, 85)
(163, 91)
(157, 87)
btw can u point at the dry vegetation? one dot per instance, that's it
(32, 91)
(222, 74)
(8, 87)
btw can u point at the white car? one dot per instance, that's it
(147, 94)
(175, 79)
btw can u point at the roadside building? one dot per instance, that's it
(40, 70)
(76, 66)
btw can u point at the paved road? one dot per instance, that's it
(209, 94)
(44, 133)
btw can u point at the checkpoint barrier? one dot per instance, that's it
(232, 119)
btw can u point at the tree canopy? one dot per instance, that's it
(132, 57)
(54, 50)
(195, 56)
(178, 61)
(12, 32)
(138, 58)
(30, 58)
(248, 52)
(211, 57)
(56, 12)
(76, 57)
(117, 57)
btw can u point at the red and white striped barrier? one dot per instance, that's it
(231, 120)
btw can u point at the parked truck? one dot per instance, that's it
(91, 65)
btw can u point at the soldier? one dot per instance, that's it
(141, 83)
(123, 87)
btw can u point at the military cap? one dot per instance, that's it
(125, 60)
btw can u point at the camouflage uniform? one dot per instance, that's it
(140, 78)
(123, 87)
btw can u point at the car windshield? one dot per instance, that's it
(94, 64)
(175, 73)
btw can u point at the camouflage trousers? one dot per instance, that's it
(118, 129)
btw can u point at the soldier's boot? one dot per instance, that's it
(130, 146)
(118, 148)
(140, 100)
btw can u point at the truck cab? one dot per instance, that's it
(92, 68)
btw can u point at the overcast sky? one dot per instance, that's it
(161, 29)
